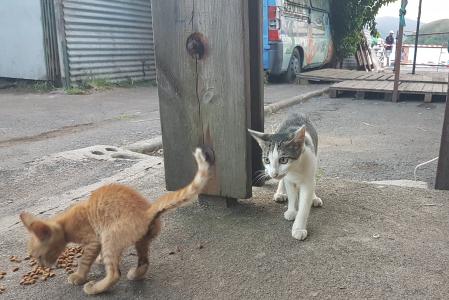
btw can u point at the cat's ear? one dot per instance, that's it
(260, 137)
(299, 135)
(41, 230)
(27, 219)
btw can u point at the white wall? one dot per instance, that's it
(430, 55)
(21, 40)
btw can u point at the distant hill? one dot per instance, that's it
(435, 26)
(385, 24)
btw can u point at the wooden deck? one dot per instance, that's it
(361, 87)
(338, 75)
(360, 82)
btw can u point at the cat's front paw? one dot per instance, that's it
(280, 198)
(317, 202)
(299, 234)
(76, 279)
(137, 273)
(290, 215)
(90, 288)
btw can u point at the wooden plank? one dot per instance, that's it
(442, 178)
(206, 99)
(364, 76)
(380, 85)
(256, 83)
(427, 87)
(333, 93)
(360, 95)
(375, 76)
(436, 88)
(387, 77)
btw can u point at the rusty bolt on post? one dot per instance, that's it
(196, 45)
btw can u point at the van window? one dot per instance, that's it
(321, 4)
(300, 2)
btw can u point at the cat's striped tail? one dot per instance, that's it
(190, 192)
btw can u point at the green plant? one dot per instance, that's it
(43, 86)
(348, 19)
(100, 84)
(76, 91)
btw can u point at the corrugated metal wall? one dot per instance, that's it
(50, 41)
(108, 39)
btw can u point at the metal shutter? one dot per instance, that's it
(108, 39)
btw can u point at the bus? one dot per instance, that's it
(296, 36)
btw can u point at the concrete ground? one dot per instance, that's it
(372, 140)
(368, 241)
(36, 124)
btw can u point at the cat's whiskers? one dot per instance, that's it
(261, 177)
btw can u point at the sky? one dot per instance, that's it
(431, 10)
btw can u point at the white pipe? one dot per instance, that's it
(423, 164)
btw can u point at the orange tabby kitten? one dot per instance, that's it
(112, 219)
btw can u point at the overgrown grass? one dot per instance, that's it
(43, 86)
(98, 84)
(76, 91)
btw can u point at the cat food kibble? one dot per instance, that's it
(14, 259)
(37, 273)
(67, 259)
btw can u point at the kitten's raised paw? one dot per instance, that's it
(99, 260)
(137, 273)
(299, 234)
(317, 202)
(76, 279)
(290, 215)
(90, 289)
(280, 198)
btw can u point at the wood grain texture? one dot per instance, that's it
(257, 89)
(205, 101)
(442, 178)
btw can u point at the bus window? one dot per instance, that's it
(301, 2)
(321, 4)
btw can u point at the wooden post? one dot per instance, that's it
(203, 73)
(442, 179)
(397, 59)
(257, 95)
(418, 22)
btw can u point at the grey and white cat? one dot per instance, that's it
(290, 155)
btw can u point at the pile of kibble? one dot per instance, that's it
(67, 261)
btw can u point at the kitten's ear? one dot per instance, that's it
(36, 226)
(300, 135)
(27, 219)
(260, 137)
(41, 230)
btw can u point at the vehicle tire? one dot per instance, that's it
(294, 66)
(274, 78)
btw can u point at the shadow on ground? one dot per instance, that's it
(367, 241)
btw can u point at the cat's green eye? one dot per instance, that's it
(283, 160)
(266, 160)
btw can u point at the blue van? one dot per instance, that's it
(296, 36)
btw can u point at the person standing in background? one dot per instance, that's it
(389, 41)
